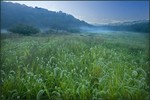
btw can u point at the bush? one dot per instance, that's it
(24, 29)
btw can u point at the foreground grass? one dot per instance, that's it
(73, 67)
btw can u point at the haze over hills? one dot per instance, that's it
(135, 26)
(141, 26)
(15, 13)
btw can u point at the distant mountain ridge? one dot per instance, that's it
(14, 13)
(130, 22)
(135, 26)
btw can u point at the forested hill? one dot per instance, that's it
(135, 26)
(14, 13)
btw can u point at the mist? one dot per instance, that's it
(95, 30)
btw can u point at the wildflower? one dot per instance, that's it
(134, 73)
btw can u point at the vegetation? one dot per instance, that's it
(107, 66)
(39, 17)
(24, 29)
(134, 26)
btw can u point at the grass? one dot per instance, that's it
(106, 66)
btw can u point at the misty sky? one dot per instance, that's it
(97, 11)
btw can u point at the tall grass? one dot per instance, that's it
(74, 67)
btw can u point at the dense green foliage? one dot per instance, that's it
(24, 29)
(39, 17)
(109, 66)
(135, 26)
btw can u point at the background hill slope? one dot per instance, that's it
(14, 13)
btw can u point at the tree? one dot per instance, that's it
(24, 29)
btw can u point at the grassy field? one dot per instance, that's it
(105, 66)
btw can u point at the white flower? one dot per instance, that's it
(134, 73)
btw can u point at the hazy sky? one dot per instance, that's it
(97, 11)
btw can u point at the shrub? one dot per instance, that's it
(23, 29)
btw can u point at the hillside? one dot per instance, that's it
(134, 26)
(14, 13)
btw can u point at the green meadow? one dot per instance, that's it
(104, 66)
